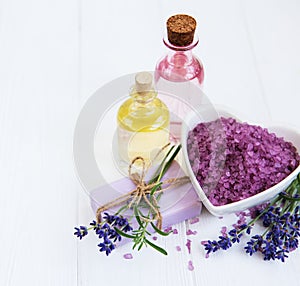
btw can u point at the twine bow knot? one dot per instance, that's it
(143, 191)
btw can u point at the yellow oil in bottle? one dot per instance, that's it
(143, 122)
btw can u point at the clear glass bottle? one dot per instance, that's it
(179, 73)
(143, 121)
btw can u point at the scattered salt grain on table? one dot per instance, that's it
(233, 161)
(224, 230)
(190, 232)
(190, 266)
(188, 245)
(128, 256)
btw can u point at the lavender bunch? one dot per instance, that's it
(113, 228)
(281, 218)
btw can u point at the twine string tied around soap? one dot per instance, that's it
(143, 191)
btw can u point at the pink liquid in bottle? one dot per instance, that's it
(178, 78)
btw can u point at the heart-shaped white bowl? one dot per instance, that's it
(287, 133)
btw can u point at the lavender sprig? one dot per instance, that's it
(106, 231)
(281, 218)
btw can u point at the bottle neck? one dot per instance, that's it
(180, 56)
(181, 48)
(142, 98)
(180, 64)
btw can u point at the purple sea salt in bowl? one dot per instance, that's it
(234, 165)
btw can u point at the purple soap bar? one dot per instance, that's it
(177, 203)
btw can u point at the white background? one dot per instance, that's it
(53, 55)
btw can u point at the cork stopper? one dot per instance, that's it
(181, 29)
(143, 81)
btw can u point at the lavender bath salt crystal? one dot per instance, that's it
(233, 160)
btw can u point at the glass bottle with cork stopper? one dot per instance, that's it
(179, 70)
(143, 121)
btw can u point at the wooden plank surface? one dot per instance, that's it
(232, 52)
(53, 56)
(39, 103)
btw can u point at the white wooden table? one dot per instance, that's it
(53, 56)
